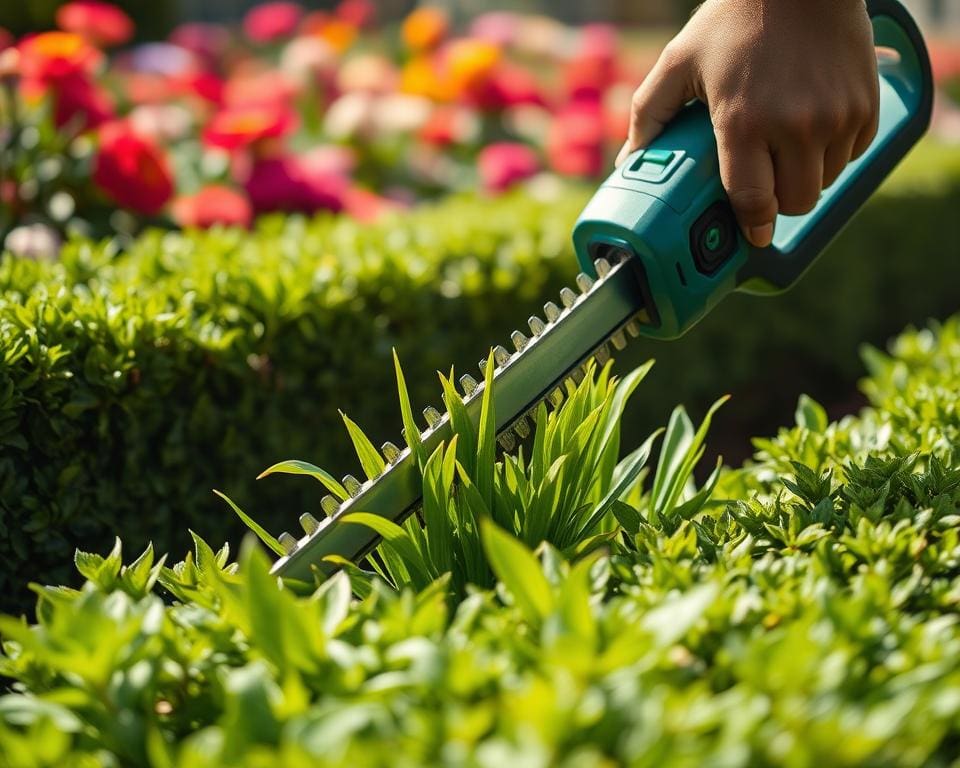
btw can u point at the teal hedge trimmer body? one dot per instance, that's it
(659, 247)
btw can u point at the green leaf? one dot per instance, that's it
(88, 564)
(516, 567)
(811, 415)
(252, 524)
(370, 458)
(487, 439)
(294, 467)
(410, 429)
(397, 538)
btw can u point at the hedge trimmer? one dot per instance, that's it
(659, 247)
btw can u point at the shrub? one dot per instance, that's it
(795, 617)
(131, 384)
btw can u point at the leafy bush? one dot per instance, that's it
(131, 384)
(803, 613)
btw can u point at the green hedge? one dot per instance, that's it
(132, 384)
(804, 615)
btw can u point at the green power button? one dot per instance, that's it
(713, 238)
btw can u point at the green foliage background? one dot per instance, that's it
(132, 384)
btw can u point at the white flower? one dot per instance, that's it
(33, 241)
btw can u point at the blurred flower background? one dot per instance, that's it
(115, 118)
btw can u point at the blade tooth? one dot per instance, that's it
(390, 452)
(619, 340)
(288, 542)
(507, 441)
(537, 326)
(584, 282)
(309, 523)
(556, 397)
(633, 328)
(603, 267)
(329, 505)
(500, 356)
(482, 365)
(602, 355)
(568, 298)
(352, 485)
(522, 428)
(519, 341)
(432, 415)
(551, 311)
(469, 384)
(578, 375)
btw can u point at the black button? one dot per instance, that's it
(713, 238)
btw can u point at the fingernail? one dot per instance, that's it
(624, 152)
(760, 236)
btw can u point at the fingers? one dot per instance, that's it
(747, 172)
(799, 174)
(835, 159)
(663, 93)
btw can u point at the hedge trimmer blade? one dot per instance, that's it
(603, 312)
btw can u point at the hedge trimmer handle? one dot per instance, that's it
(666, 207)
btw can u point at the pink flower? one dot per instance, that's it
(208, 41)
(272, 21)
(575, 145)
(214, 204)
(132, 170)
(367, 206)
(102, 24)
(287, 184)
(503, 165)
(498, 27)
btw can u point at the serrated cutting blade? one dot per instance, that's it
(614, 301)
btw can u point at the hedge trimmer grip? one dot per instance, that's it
(665, 207)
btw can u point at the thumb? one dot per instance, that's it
(662, 94)
(746, 170)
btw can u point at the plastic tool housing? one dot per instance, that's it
(666, 208)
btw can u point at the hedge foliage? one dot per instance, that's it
(132, 383)
(803, 614)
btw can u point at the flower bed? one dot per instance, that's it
(206, 356)
(800, 611)
(298, 111)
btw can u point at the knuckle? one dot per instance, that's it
(673, 58)
(752, 203)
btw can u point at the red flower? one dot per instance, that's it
(132, 171)
(576, 141)
(272, 21)
(100, 23)
(206, 85)
(508, 86)
(357, 13)
(286, 184)
(214, 204)
(6, 39)
(503, 165)
(241, 126)
(51, 56)
(79, 101)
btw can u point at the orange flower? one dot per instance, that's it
(56, 55)
(421, 78)
(425, 29)
(470, 64)
(214, 204)
(337, 33)
(100, 23)
(239, 127)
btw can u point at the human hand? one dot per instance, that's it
(793, 94)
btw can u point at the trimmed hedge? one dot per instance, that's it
(133, 383)
(805, 615)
